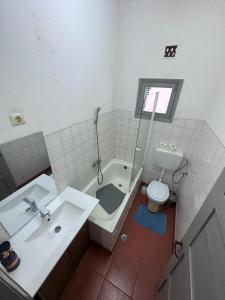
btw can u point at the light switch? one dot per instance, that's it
(17, 119)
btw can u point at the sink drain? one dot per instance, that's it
(124, 237)
(57, 229)
(120, 184)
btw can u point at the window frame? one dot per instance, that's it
(175, 84)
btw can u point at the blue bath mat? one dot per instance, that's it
(155, 221)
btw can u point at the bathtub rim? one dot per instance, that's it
(107, 166)
(110, 225)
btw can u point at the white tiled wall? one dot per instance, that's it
(207, 162)
(183, 133)
(26, 157)
(72, 151)
(126, 128)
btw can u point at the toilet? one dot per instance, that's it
(168, 158)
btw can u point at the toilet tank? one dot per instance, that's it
(168, 157)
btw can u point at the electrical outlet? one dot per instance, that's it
(17, 119)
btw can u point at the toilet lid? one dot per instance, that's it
(158, 191)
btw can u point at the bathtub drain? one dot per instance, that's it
(124, 237)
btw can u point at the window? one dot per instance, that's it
(169, 91)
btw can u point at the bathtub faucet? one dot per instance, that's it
(96, 163)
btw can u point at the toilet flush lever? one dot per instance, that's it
(138, 149)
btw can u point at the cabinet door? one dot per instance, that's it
(79, 246)
(10, 290)
(55, 284)
(199, 272)
(58, 279)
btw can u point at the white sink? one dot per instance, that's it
(49, 234)
(40, 243)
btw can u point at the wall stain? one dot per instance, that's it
(52, 51)
(37, 31)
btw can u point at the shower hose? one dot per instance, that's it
(99, 170)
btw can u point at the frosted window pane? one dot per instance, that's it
(163, 101)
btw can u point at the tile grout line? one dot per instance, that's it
(117, 288)
(139, 266)
(100, 286)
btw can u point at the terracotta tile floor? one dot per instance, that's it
(131, 270)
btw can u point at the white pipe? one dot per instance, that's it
(161, 174)
(150, 128)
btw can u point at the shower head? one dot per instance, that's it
(96, 114)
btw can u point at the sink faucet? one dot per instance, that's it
(42, 210)
(32, 203)
(45, 212)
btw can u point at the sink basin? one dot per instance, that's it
(40, 243)
(49, 234)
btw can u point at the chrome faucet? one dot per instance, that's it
(96, 163)
(45, 212)
(42, 210)
(32, 203)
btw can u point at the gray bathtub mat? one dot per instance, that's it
(110, 197)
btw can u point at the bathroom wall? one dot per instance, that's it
(72, 150)
(208, 161)
(215, 118)
(126, 129)
(147, 26)
(183, 133)
(26, 157)
(57, 62)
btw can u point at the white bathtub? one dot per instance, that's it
(104, 228)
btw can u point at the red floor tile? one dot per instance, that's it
(123, 272)
(139, 199)
(84, 285)
(150, 256)
(133, 267)
(145, 284)
(98, 259)
(136, 240)
(110, 292)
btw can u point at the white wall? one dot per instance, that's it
(146, 26)
(207, 163)
(216, 117)
(57, 62)
(198, 27)
(58, 58)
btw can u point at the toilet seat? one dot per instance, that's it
(158, 191)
